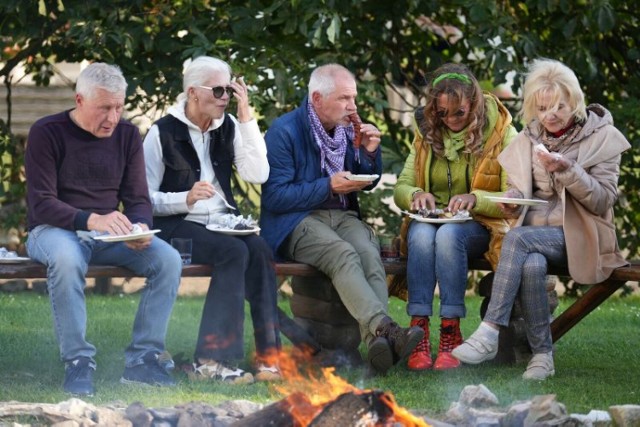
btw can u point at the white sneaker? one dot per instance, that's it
(540, 367)
(213, 370)
(268, 373)
(476, 349)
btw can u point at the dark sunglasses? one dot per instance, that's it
(219, 91)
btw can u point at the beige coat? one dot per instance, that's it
(587, 190)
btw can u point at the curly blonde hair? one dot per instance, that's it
(456, 81)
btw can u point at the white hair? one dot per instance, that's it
(323, 78)
(99, 75)
(199, 70)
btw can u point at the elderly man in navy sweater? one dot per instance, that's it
(81, 166)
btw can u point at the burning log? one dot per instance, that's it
(356, 408)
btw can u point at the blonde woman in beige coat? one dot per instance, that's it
(568, 156)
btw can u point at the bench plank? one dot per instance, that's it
(584, 305)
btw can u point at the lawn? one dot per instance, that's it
(596, 362)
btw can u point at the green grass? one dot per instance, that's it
(596, 362)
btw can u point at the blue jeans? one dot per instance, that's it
(440, 253)
(522, 272)
(67, 257)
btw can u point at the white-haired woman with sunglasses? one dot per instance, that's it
(190, 155)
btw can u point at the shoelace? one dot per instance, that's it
(423, 345)
(449, 339)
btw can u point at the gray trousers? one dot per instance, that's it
(347, 250)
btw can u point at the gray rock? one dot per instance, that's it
(478, 396)
(626, 415)
(139, 415)
(545, 410)
(516, 414)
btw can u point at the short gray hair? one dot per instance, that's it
(323, 78)
(99, 75)
(199, 70)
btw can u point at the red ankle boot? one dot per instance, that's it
(450, 338)
(420, 358)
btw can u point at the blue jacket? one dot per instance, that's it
(297, 185)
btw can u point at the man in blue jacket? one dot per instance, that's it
(310, 210)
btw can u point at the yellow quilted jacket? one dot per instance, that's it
(488, 179)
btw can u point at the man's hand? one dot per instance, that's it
(370, 137)
(142, 243)
(114, 223)
(341, 185)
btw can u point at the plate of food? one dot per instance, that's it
(233, 231)
(439, 216)
(125, 237)
(362, 177)
(517, 201)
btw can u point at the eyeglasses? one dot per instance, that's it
(219, 91)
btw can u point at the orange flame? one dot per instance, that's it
(306, 393)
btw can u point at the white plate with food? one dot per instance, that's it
(233, 232)
(14, 259)
(372, 177)
(441, 219)
(517, 201)
(125, 237)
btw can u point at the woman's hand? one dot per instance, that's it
(201, 190)
(423, 200)
(241, 94)
(462, 202)
(553, 162)
(511, 210)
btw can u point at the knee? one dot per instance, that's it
(535, 265)
(421, 238)
(238, 252)
(165, 259)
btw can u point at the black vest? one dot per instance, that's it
(182, 167)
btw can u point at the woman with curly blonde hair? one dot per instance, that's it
(452, 167)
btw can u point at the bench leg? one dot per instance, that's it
(583, 306)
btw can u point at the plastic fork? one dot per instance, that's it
(225, 201)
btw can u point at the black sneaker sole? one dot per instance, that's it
(380, 355)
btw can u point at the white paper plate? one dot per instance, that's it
(362, 177)
(232, 232)
(125, 237)
(14, 260)
(421, 218)
(516, 201)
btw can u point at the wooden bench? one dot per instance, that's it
(585, 304)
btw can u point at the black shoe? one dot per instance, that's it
(150, 373)
(78, 377)
(402, 340)
(380, 355)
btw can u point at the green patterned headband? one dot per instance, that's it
(457, 76)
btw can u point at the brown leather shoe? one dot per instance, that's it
(401, 340)
(380, 355)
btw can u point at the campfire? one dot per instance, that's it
(325, 399)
